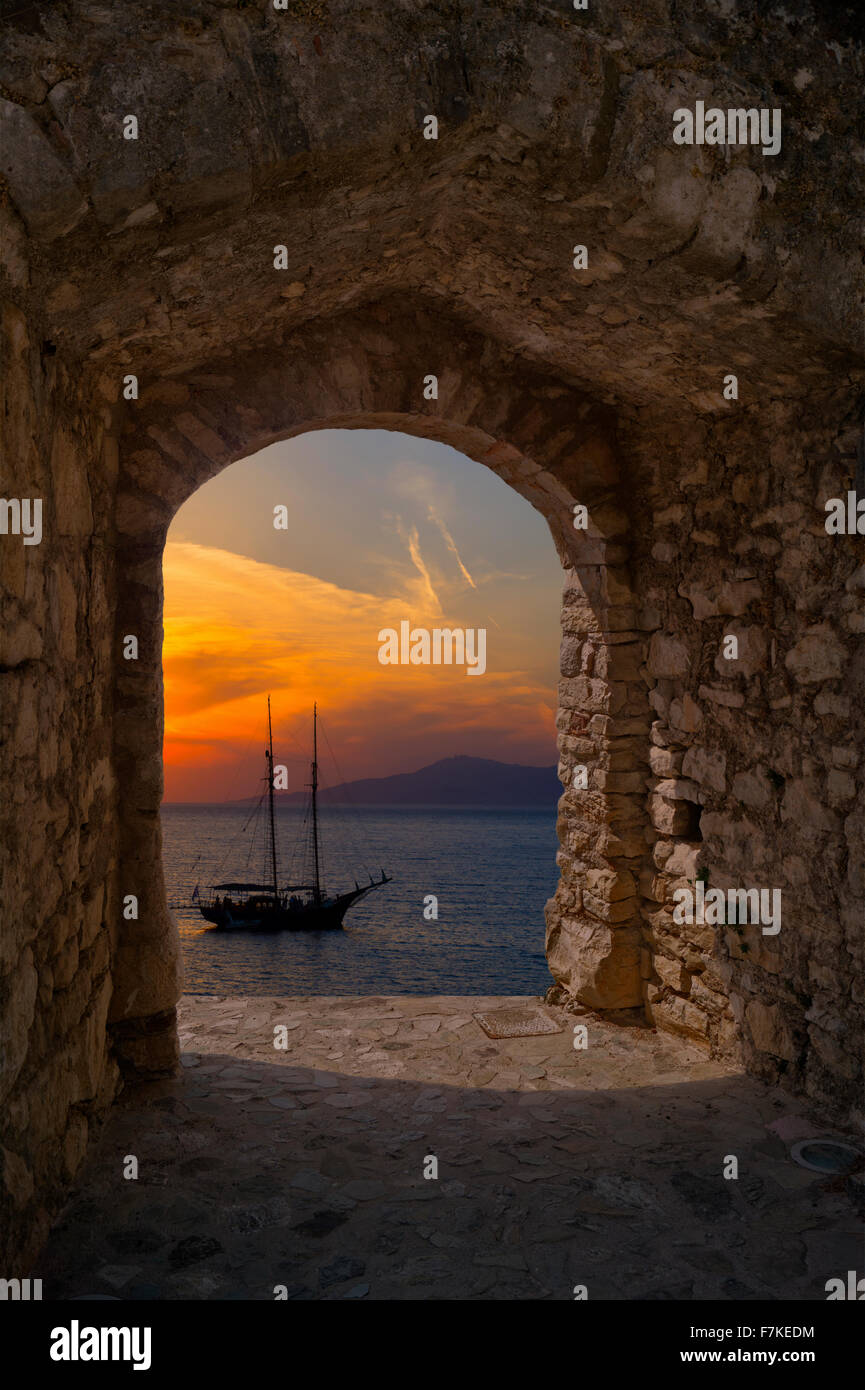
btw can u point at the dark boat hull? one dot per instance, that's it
(324, 916)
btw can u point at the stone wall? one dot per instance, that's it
(599, 386)
(753, 765)
(756, 763)
(57, 823)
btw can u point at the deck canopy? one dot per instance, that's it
(246, 887)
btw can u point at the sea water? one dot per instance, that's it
(491, 871)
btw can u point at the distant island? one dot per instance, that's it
(459, 781)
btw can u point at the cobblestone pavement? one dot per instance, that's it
(557, 1167)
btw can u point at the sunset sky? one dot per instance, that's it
(382, 527)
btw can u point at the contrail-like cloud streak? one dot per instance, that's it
(413, 542)
(450, 543)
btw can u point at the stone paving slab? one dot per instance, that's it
(303, 1169)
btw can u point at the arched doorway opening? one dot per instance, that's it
(287, 578)
(554, 446)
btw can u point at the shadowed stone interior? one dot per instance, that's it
(601, 387)
(303, 1170)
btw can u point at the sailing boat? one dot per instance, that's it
(295, 906)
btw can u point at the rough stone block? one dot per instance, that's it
(599, 964)
(606, 911)
(42, 187)
(673, 1014)
(817, 656)
(685, 715)
(706, 766)
(678, 789)
(753, 652)
(730, 597)
(803, 807)
(754, 788)
(668, 656)
(769, 1029)
(672, 973)
(665, 762)
(669, 817)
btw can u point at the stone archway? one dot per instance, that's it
(155, 258)
(553, 445)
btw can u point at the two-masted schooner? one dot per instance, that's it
(292, 906)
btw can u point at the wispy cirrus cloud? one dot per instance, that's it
(451, 544)
(413, 542)
(237, 629)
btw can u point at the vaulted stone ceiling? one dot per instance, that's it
(304, 127)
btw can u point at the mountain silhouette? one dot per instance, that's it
(458, 781)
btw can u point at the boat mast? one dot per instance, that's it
(314, 803)
(269, 755)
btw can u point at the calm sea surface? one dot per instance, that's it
(492, 871)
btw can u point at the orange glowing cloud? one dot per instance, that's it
(237, 629)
